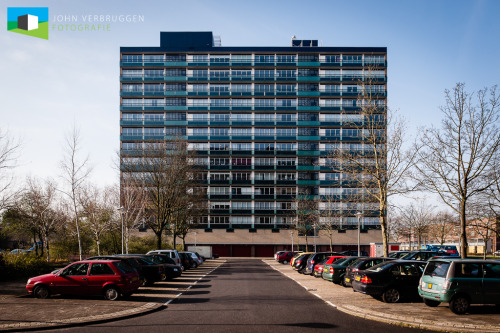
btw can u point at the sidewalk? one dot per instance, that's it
(21, 312)
(415, 314)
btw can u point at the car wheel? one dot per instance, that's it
(111, 293)
(41, 291)
(391, 295)
(342, 283)
(459, 304)
(431, 303)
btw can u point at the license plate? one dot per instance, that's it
(429, 286)
(347, 280)
(358, 278)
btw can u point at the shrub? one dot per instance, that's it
(17, 266)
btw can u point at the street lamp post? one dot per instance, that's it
(359, 215)
(121, 209)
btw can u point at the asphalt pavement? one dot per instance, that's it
(236, 295)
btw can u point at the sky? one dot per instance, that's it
(72, 79)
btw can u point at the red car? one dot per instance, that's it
(318, 269)
(284, 257)
(110, 278)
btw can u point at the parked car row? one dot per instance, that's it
(114, 275)
(435, 276)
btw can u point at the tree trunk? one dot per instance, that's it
(383, 228)
(463, 231)
(158, 240)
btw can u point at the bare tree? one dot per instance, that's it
(443, 225)
(380, 164)
(417, 217)
(97, 211)
(75, 172)
(306, 216)
(133, 201)
(459, 156)
(166, 172)
(9, 150)
(39, 210)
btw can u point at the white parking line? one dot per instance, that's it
(331, 304)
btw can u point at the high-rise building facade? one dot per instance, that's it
(262, 121)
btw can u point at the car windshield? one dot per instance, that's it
(340, 261)
(379, 267)
(123, 267)
(408, 255)
(355, 262)
(437, 268)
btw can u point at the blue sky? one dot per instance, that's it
(74, 76)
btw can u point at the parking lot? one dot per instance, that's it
(415, 314)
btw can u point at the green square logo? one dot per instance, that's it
(31, 21)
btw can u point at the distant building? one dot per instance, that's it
(262, 121)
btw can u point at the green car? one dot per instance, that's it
(335, 272)
(460, 282)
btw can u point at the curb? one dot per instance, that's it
(30, 326)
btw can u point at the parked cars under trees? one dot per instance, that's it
(458, 158)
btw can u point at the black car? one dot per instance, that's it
(360, 264)
(423, 255)
(398, 254)
(186, 261)
(171, 270)
(392, 280)
(353, 253)
(151, 271)
(300, 263)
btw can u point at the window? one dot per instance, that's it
(241, 219)
(268, 117)
(264, 58)
(241, 88)
(241, 176)
(241, 117)
(219, 219)
(241, 74)
(198, 87)
(264, 103)
(241, 131)
(173, 72)
(286, 190)
(200, 131)
(101, 269)
(286, 132)
(242, 190)
(264, 205)
(218, 191)
(220, 176)
(241, 58)
(219, 146)
(285, 73)
(285, 58)
(264, 146)
(264, 191)
(132, 87)
(286, 102)
(219, 117)
(285, 88)
(242, 161)
(468, 270)
(285, 161)
(219, 131)
(264, 176)
(219, 74)
(286, 117)
(132, 58)
(264, 161)
(76, 269)
(200, 58)
(219, 205)
(263, 219)
(264, 88)
(241, 205)
(132, 131)
(286, 146)
(219, 161)
(241, 146)
(286, 176)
